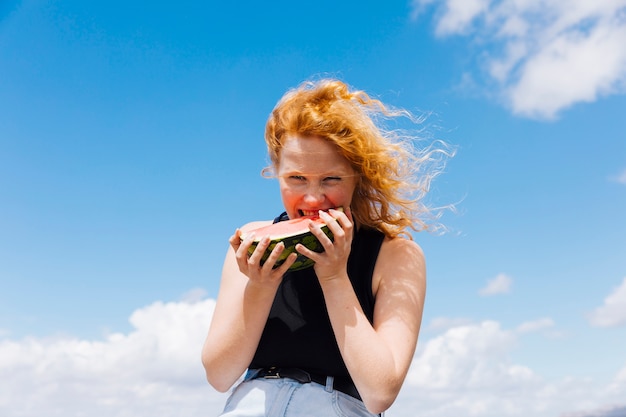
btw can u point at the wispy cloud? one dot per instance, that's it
(444, 323)
(501, 284)
(620, 178)
(194, 295)
(536, 325)
(613, 311)
(545, 56)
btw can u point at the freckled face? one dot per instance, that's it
(313, 176)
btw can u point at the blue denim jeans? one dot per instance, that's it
(286, 397)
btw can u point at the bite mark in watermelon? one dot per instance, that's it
(290, 232)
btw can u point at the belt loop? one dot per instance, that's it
(329, 383)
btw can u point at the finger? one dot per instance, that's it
(348, 212)
(274, 255)
(243, 245)
(333, 217)
(303, 250)
(346, 223)
(316, 230)
(257, 255)
(343, 219)
(235, 239)
(333, 225)
(281, 270)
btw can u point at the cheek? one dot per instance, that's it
(341, 197)
(287, 193)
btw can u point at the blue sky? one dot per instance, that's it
(131, 145)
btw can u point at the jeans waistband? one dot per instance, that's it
(342, 384)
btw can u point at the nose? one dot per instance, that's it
(314, 195)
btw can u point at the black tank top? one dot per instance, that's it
(298, 333)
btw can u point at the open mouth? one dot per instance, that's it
(307, 213)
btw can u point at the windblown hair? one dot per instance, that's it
(394, 175)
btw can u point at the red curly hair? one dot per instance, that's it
(393, 174)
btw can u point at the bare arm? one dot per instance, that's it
(246, 294)
(377, 356)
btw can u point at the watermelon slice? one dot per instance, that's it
(290, 232)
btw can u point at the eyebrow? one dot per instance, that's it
(326, 174)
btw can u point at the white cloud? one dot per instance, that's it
(619, 382)
(155, 370)
(468, 371)
(613, 311)
(444, 323)
(545, 55)
(501, 284)
(536, 325)
(459, 15)
(455, 359)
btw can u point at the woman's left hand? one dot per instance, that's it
(333, 262)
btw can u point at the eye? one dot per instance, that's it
(295, 180)
(332, 180)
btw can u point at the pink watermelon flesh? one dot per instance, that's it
(283, 229)
(290, 232)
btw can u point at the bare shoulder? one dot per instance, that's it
(400, 260)
(399, 251)
(402, 247)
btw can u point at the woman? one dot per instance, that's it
(337, 338)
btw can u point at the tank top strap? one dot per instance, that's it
(364, 253)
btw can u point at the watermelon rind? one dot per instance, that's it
(290, 241)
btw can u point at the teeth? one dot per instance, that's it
(311, 212)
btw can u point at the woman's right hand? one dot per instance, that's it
(247, 291)
(251, 266)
